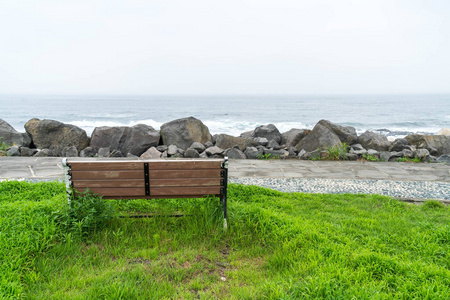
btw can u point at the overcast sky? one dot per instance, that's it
(224, 47)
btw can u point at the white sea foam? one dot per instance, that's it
(235, 128)
(89, 126)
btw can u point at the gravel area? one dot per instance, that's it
(396, 189)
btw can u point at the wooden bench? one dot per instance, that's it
(149, 179)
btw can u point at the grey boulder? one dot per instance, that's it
(372, 140)
(319, 138)
(435, 144)
(293, 136)
(226, 141)
(346, 134)
(235, 153)
(13, 151)
(184, 132)
(214, 150)
(12, 137)
(134, 140)
(47, 134)
(151, 153)
(270, 132)
(191, 153)
(253, 152)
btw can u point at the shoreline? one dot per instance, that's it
(191, 138)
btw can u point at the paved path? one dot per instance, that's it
(51, 168)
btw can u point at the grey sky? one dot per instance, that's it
(224, 47)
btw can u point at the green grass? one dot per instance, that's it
(278, 246)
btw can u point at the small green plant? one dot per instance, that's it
(267, 156)
(370, 157)
(337, 152)
(407, 159)
(3, 146)
(87, 212)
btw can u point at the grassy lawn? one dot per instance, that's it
(278, 246)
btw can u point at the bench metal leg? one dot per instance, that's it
(67, 179)
(224, 202)
(224, 192)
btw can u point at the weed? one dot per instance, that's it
(370, 157)
(3, 147)
(407, 159)
(87, 212)
(267, 156)
(337, 152)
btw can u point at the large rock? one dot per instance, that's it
(235, 153)
(184, 132)
(135, 140)
(346, 134)
(372, 140)
(191, 153)
(214, 150)
(436, 144)
(319, 138)
(151, 153)
(226, 141)
(444, 131)
(293, 137)
(12, 137)
(47, 134)
(398, 145)
(270, 132)
(444, 159)
(253, 152)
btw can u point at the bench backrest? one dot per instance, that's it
(146, 179)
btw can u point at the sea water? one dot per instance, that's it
(391, 115)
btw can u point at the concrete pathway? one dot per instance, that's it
(49, 168)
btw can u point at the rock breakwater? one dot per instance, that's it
(190, 138)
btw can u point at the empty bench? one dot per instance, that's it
(149, 179)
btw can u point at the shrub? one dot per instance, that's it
(337, 152)
(86, 213)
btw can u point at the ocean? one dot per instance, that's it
(391, 115)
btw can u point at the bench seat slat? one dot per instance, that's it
(85, 175)
(83, 184)
(173, 191)
(160, 197)
(118, 192)
(184, 165)
(177, 182)
(163, 174)
(155, 192)
(101, 166)
(184, 182)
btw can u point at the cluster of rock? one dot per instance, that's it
(190, 138)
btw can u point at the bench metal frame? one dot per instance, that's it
(149, 179)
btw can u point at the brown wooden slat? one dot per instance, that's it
(160, 197)
(172, 191)
(161, 174)
(184, 165)
(80, 175)
(135, 193)
(184, 182)
(125, 183)
(106, 166)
